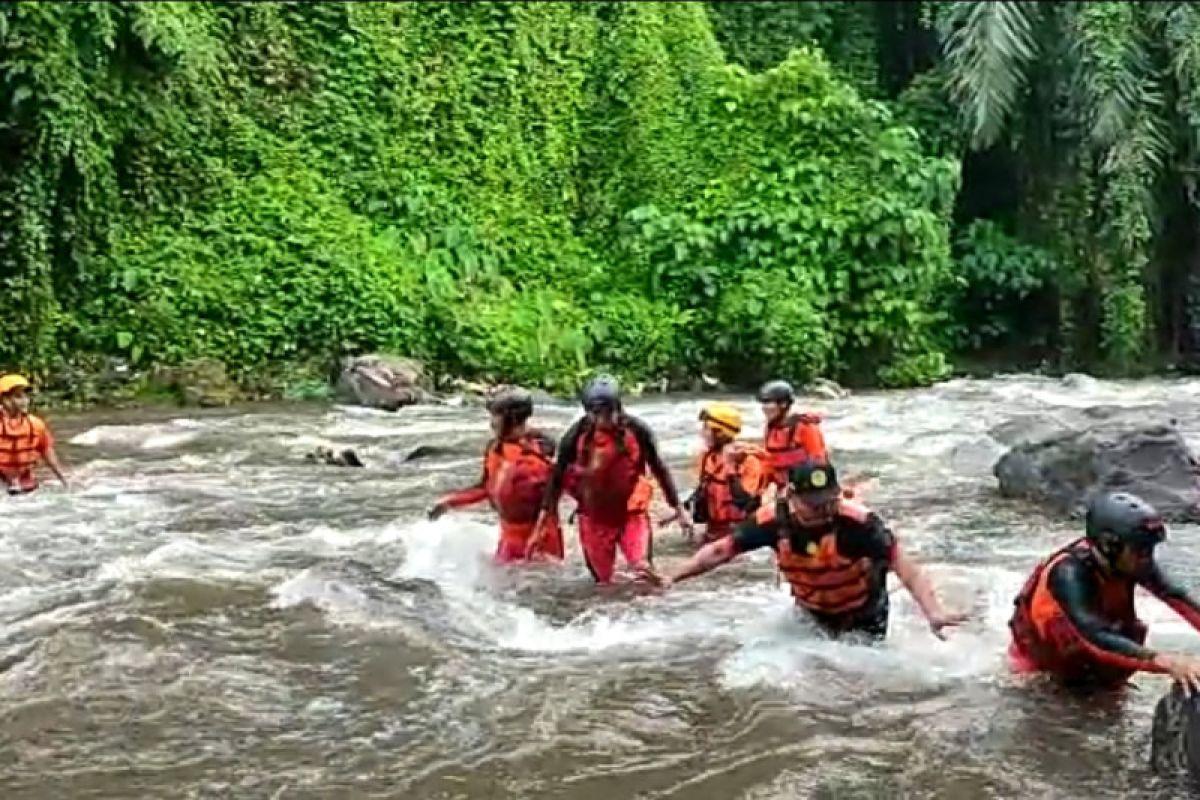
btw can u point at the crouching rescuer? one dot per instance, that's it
(1074, 619)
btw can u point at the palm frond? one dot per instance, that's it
(1180, 29)
(988, 47)
(1112, 75)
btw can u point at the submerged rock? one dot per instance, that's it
(1062, 469)
(1175, 737)
(323, 455)
(381, 381)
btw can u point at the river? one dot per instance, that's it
(207, 616)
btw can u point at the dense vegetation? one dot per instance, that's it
(1078, 127)
(529, 191)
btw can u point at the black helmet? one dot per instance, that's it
(604, 391)
(776, 392)
(1129, 519)
(515, 405)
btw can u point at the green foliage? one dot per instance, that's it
(823, 233)
(520, 191)
(996, 276)
(761, 33)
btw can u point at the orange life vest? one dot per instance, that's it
(822, 579)
(1042, 631)
(608, 476)
(517, 473)
(22, 442)
(796, 440)
(720, 508)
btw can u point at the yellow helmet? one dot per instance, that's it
(722, 417)
(10, 382)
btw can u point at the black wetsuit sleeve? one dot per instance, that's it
(1174, 595)
(741, 498)
(646, 441)
(568, 446)
(754, 535)
(870, 538)
(1074, 589)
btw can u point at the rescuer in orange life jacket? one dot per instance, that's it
(790, 438)
(1075, 617)
(835, 554)
(516, 470)
(24, 439)
(602, 462)
(732, 476)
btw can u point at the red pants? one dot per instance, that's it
(600, 543)
(514, 536)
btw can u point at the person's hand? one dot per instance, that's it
(684, 518)
(1184, 669)
(649, 574)
(943, 619)
(436, 511)
(679, 514)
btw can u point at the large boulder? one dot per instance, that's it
(381, 381)
(1063, 468)
(1175, 737)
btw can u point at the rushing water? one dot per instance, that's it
(205, 615)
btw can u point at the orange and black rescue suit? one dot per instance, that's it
(605, 471)
(515, 475)
(1076, 621)
(837, 572)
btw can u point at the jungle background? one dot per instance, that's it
(872, 192)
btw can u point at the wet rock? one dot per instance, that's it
(323, 455)
(423, 451)
(472, 388)
(1064, 469)
(382, 381)
(826, 389)
(1028, 427)
(202, 382)
(1175, 737)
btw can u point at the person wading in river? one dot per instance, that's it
(834, 553)
(602, 462)
(790, 438)
(516, 471)
(732, 476)
(24, 439)
(1075, 618)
